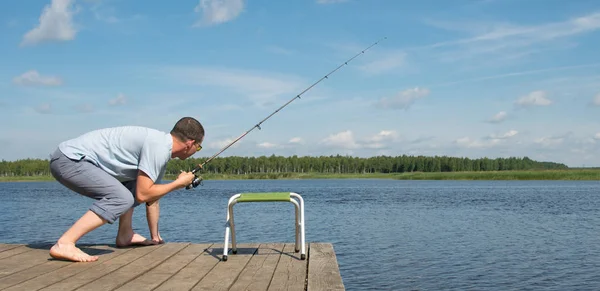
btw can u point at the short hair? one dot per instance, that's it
(188, 128)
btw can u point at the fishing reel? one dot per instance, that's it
(197, 181)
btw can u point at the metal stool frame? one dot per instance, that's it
(298, 202)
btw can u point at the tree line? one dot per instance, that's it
(322, 164)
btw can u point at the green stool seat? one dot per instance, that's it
(264, 197)
(290, 197)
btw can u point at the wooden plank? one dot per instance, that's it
(225, 272)
(4, 247)
(136, 268)
(101, 268)
(156, 276)
(22, 261)
(54, 271)
(173, 266)
(323, 269)
(191, 274)
(290, 273)
(14, 251)
(258, 272)
(38, 254)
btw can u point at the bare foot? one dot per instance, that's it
(157, 239)
(133, 240)
(69, 252)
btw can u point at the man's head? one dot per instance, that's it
(190, 133)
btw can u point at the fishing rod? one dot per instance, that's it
(198, 180)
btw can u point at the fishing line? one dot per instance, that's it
(198, 180)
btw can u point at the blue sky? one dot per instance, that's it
(479, 78)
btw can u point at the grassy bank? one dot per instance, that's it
(26, 178)
(491, 175)
(505, 175)
(570, 174)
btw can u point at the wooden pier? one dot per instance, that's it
(173, 266)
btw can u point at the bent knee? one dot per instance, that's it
(125, 202)
(112, 207)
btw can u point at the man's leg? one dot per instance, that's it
(126, 236)
(152, 215)
(112, 199)
(65, 248)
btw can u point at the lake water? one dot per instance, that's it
(387, 234)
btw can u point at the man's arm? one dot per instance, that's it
(147, 191)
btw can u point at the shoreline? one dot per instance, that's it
(568, 174)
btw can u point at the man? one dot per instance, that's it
(120, 168)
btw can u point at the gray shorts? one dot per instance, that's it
(113, 198)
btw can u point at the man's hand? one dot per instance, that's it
(184, 179)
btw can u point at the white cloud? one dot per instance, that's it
(381, 139)
(105, 14)
(422, 139)
(510, 41)
(279, 50)
(267, 145)
(45, 108)
(597, 136)
(387, 63)
(498, 117)
(518, 73)
(119, 100)
(487, 142)
(536, 98)
(384, 135)
(218, 11)
(404, 99)
(297, 140)
(375, 145)
(55, 24)
(596, 100)
(565, 148)
(549, 140)
(508, 134)
(33, 78)
(84, 108)
(260, 87)
(533, 33)
(330, 1)
(467, 142)
(223, 143)
(344, 140)
(102, 11)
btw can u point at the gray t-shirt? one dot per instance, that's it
(121, 151)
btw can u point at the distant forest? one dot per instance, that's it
(323, 164)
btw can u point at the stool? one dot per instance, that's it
(266, 197)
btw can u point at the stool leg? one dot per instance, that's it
(302, 228)
(227, 230)
(226, 243)
(297, 247)
(232, 225)
(300, 235)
